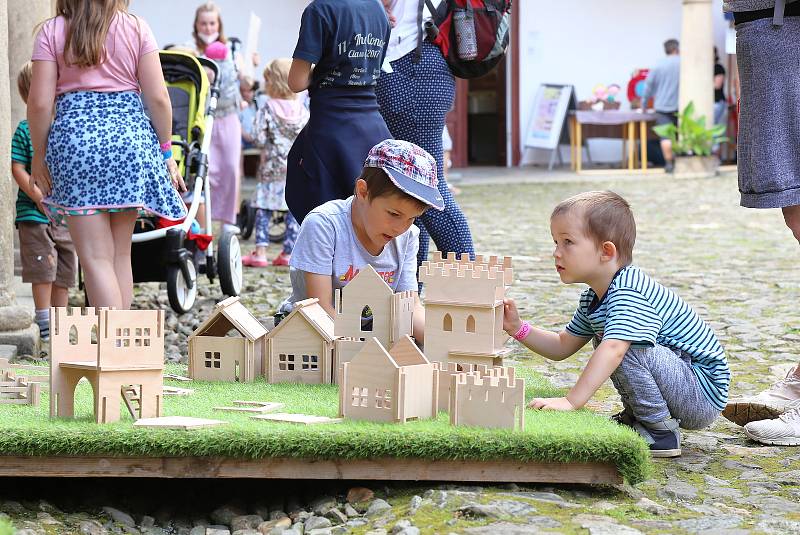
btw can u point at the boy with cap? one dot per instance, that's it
(374, 226)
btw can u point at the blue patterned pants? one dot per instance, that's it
(414, 100)
(263, 217)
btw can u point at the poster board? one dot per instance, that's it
(550, 107)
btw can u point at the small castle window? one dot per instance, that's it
(470, 323)
(213, 359)
(447, 323)
(286, 362)
(366, 319)
(73, 335)
(93, 335)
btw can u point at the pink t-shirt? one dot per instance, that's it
(129, 38)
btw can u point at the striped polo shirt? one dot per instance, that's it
(22, 152)
(639, 310)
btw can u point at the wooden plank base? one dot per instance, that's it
(390, 469)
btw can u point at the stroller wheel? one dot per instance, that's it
(181, 295)
(246, 219)
(277, 227)
(229, 262)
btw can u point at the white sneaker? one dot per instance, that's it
(782, 431)
(769, 404)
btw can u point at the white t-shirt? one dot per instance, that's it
(404, 34)
(327, 245)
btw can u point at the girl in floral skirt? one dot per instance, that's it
(101, 161)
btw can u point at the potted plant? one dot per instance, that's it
(692, 142)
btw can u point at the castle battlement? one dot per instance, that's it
(493, 382)
(493, 268)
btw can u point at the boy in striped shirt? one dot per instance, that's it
(47, 254)
(665, 362)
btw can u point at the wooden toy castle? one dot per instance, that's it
(464, 308)
(117, 351)
(368, 308)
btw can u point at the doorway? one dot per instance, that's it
(477, 122)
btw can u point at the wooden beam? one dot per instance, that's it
(390, 469)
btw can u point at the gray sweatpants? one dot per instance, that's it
(657, 383)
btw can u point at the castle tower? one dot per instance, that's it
(464, 308)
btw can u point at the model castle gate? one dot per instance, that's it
(112, 349)
(464, 308)
(494, 400)
(214, 356)
(391, 314)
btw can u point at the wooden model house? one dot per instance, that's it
(300, 349)
(495, 400)
(367, 307)
(388, 386)
(215, 356)
(115, 350)
(464, 308)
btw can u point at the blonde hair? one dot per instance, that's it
(208, 7)
(24, 80)
(276, 78)
(87, 28)
(606, 217)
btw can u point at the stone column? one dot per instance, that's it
(23, 17)
(15, 321)
(697, 58)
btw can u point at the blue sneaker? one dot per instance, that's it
(664, 437)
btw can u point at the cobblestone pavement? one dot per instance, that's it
(736, 267)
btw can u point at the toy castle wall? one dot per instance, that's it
(488, 401)
(62, 321)
(131, 338)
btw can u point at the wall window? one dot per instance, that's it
(383, 398)
(367, 320)
(212, 359)
(360, 396)
(285, 362)
(310, 363)
(447, 323)
(470, 323)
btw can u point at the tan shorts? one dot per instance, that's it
(47, 254)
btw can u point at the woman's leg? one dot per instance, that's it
(94, 244)
(292, 229)
(122, 231)
(262, 230)
(414, 101)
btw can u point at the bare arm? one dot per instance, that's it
(156, 97)
(605, 359)
(418, 321)
(550, 345)
(23, 180)
(299, 75)
(719, 81)
(321, 287)
(41, 98)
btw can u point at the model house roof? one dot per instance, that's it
(367, 280)
(311, 312)
(404, 353)
(231, 314)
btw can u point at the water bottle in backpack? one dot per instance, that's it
(466, 40)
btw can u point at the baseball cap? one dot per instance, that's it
(410, 168)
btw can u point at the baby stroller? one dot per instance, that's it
(174, 253)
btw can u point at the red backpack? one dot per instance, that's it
(491, 26)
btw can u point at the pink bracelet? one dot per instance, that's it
(523, 332)
(167, 145)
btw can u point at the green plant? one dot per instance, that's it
(691, 137)
(6, 528)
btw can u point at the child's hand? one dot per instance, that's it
(551, 404)
(36, 196)
(40, 175)
(175, 176)
(511, 321)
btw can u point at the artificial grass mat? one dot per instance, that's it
(549, 436)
